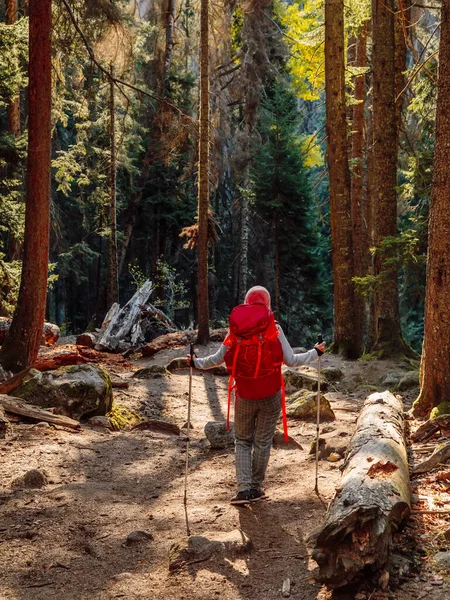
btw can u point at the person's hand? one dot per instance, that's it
(188, 358)
(320, 348)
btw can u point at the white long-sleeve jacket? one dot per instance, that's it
(290, 359)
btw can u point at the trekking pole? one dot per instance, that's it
(192, 353)
(316, 489)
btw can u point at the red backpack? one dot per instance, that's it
(254, 356)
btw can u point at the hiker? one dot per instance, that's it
(254, 351)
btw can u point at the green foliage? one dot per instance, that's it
(13, 59)
(10, 273)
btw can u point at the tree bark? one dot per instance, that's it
(373, 500)
(203, 178)
(384, 176)
(19, 407)
(243, 246)
(345, 326)
(13, 108)
(21, 345)
(358, 200)
(112, 281)
(435, 365)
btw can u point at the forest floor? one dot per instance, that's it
(68, 540)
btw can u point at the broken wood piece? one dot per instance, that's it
(286, 589)
(13, 382)
(116, 383)
(373, 499)
(157, 425)
(440, 455)
(59, 356)
(123, 327)
(19, 407)
(429, 428)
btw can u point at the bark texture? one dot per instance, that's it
(358, 199)
(435, 366)
(203, 179)
(384, 174)
(345, 326)
(22, 342)
(373, 500)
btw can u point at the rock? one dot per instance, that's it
(43, 425)
(138, 537)
(442, 559)
(100, 421)
(86, 339)
(297, 380)
(303, 405)
(408, 381)
(328, 429)
(31, 479)
(202, 547)
(332, 374)
(218, 436)
(441, 409)
(50, 332)
(278, 440)
(76, 391)
(152, 372)
(177, 363)
(391, 380)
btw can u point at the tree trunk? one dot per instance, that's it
(13, 108)
(203, 179)
(21, 345)
(358, 200)
(345, 325)
(112, 282)
(384, 176)
(402, 24)
(373, 500)
(435, 366)
(243, 246)
(170, 42)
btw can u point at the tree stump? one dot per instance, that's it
(373, 501)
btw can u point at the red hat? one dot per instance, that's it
(258, 295)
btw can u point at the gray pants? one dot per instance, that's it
(254, 423)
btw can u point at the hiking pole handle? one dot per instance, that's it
(192, 353)
(319, 338)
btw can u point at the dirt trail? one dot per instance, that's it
(68, 539)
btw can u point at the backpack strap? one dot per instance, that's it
(258, 361)
(231, 382)
(283, 410)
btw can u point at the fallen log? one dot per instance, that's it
(157, 425)
(373, 500)
(60, 356)
(179, 338)
(19, 407)
(13, 382)
(428, 429)
(440, 456)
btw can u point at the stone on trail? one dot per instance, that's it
(86, 339)
(332, 374)
(408, 381)
(31, 479)
(391, 380)
(100, 421)
(197, 548)
(303, 405)
(76, 391)
(152, 372)
(278, 440)
(138, 537)
(218, 436)
(297, 380)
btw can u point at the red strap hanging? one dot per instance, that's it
(283, 410)
(231, 382)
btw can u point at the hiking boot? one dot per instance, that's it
(241, 498)
(257, 495)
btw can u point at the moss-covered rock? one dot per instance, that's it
(152, 372)
(441, 409)
(297, 380)
(408, 381)
(77, 391)
(303, 405)
(121, 417)
(332, 374)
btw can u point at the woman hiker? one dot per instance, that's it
(254, 351)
